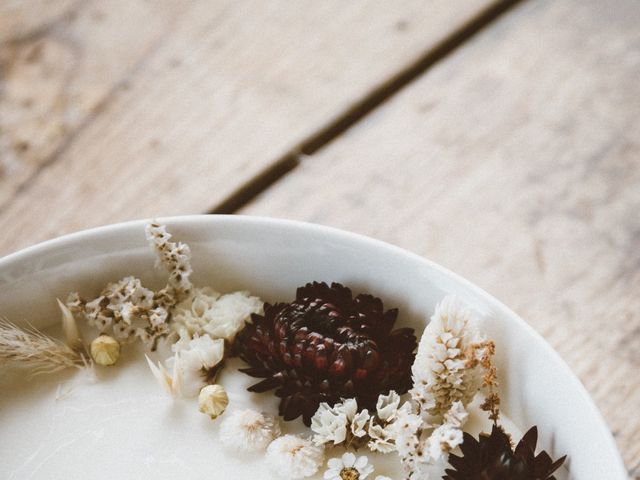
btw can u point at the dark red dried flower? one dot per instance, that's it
(324, 346)
(492, 458)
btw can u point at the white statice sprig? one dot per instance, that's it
(175, 258)
(126, 309)
(220, 316)
(348, 467)
(248, 430)
(294, 457)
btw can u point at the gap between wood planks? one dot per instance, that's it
(354, 114)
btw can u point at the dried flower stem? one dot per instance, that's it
(481, 353)
(30, 348)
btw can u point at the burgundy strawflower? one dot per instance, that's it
(325, 346)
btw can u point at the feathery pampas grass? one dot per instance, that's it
(32, 349)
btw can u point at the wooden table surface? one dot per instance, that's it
(498, 138)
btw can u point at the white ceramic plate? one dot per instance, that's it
(122, 426)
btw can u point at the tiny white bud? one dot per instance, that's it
(105, 350)
(213, 400)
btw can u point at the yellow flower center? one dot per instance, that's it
(349, 474)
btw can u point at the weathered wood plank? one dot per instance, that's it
(515, 163)
(59, 62)
(233, 87)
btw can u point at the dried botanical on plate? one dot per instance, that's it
(442, 372)
(492, 457)
(213, 400)
(192, 366)
(105, 350)
(348, 467)
(32, 349)
(218, 315)
(126, 309)
(294, 457)
(324, 346)
(248, 430)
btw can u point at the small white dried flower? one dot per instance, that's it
(221, 316)
(329, 424)
(340, 423)
(359, 423)
(405, 430)
(175, 257)
(348, 468)
(189, 366)
(105, 350)
(387, 405)
(382, 437)
(294, 457)
(213, 400)
(248, 430)
(443, 439)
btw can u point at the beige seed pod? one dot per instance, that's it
(213, 400)
(105, 350)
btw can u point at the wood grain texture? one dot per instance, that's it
(232, 87)
(516, 163)
(59, 63)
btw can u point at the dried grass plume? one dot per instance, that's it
(30, 348)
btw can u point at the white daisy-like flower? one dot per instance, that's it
(349, 467)
(248, 430)
(441, 375)
(382, 477)
(220, 316)
(294, 457)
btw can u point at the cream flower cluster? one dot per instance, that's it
(220, 316)
(441, 374)
(129, 310)
(339, 424)
(189, 366)
(125, 308)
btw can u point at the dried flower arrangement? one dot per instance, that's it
(336, 360)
